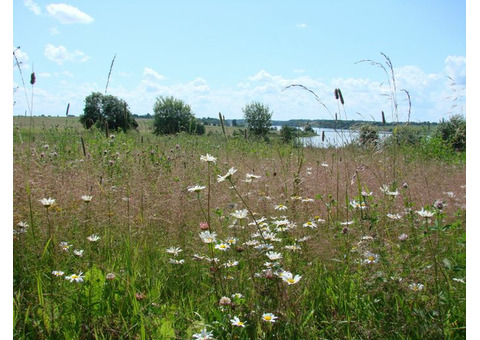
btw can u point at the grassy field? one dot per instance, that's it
(139, 236)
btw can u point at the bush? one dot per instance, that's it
(368, 135)
(100, 109)
(173, 115)
(405, 136)
(258, 118)
(453, 132)
(287, 133)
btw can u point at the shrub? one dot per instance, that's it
(287, 133)
(100, 109)
(453, 132)
(368, 135)
(405, 136)
(173, 115)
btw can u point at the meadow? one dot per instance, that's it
(138, 236)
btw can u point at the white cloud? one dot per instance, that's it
(60, 54)
(302, 25)
(152, 74)
(68, 14)
(456, 68)
(32, 6)
(54, 31)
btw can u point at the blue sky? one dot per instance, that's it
(218, 56)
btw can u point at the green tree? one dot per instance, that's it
(100, 109)
(173, 115)
(258, 118)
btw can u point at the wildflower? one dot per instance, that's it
(307, 200)
(47, 202)
(208, 158)
(366, 193)
(237, 296)
(387, 191)
(367, 238)
(324, 164)
(22, 224)
(358, 205)
(230, 263)
(240, 214)
(75, 277)
(22, 228)
(57, 273)
(289, 278)
(458, 280)
(110, 276)
(231, 240)
(371, 257)
(346, 223)
(251, 243)
(79, 253)
(87, 199)
(269, 317)
(225, 301)
(394, 216)
(65, 246)
(236, 322)
(203, 335)
(249, 177)
(174, 251)
(304, 239)
(425, 213)
(196, 188)
(450, 194)
(264, 246)
(222, 246)
(280, 207)
(176, 261)
(203, 225)
(310, 224)
(416, 286)
(228, 175)
(274, 256)
(403, 237)
(208, 237)
(439, 204)
(93, 238)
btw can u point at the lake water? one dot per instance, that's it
(336, 138)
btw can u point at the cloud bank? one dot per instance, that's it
(68, 14)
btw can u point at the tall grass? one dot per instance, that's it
(371, 263)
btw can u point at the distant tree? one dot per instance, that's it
(234, 122)
(173, 115)
(258, 118)
(107, 109)
(308, 128)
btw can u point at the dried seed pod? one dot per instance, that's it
(336, 94)
(341, 97)
(32, 78)
(383, 118)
